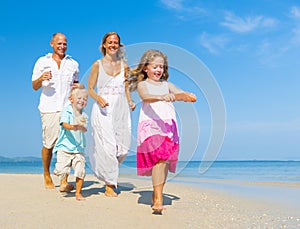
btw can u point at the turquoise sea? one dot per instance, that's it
(258, 171)
(277, 181)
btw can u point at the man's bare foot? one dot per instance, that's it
(66, 187)
(79, 197)
(186, 97)
(48, 182)
(109, 191)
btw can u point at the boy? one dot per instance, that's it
(71, 141)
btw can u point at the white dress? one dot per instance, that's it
(111, 127)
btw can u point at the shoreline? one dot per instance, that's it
(281, 193)
(28, 204)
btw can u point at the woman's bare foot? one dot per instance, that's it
(79, 197)
(48, 182)
(66, 187)
(186, 97)
(109, 191)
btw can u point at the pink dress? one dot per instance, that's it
(157, 132)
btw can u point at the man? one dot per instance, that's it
(56, 73)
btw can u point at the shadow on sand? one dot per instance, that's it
(87, 192)
(146, 197)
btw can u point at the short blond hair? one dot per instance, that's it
(76, 91)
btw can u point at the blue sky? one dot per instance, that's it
(252, 49)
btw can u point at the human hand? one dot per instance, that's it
(79, 127)
(77, 85)
(168, 97)
(132, 105)
(46, 75)
(81, 120)
(45, 78)
(102, 102)
(186, 97)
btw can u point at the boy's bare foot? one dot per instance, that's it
(66, 188)
(48, 182)
(79, 197)
(109, 191)
(186, 97)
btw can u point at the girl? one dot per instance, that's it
(158, 140)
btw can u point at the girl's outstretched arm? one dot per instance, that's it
(146, 97)
(181, 95)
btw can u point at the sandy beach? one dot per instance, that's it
(25, 203)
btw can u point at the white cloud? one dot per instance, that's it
(295, 12)
(188, 10)
(269, 22)
(213, 43)
(173, 4)
(295, 15)
(277, 50)
(247, 24)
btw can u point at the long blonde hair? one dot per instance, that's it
(138, 74)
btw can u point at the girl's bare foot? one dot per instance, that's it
(79, 197)
(109, 191)
(48, 182)
(157, 204)
(157, 207)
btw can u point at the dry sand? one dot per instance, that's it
(25, 203)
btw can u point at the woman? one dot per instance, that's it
(110, 117)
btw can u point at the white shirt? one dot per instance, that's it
(55, 93)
